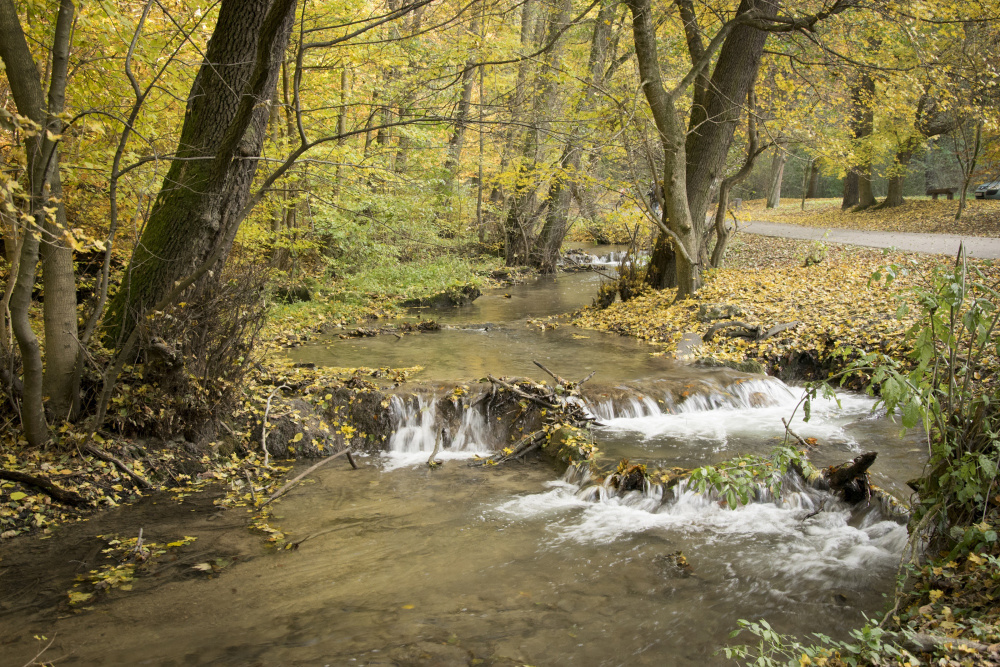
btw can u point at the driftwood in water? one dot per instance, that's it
(555, 411)
(110, 458)
(288, 485)
(850, 480)
(61, 495)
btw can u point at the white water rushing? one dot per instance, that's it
(417, 429)
(748, 409)
(808, 538)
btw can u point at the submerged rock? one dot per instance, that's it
(453, 297)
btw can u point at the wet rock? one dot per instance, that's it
(453, 297)
(708, 312)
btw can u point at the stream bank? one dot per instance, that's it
(400, 563)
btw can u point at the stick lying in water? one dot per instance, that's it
(280, 492)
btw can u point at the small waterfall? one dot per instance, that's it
(413, 424)
(705, 411)
(703, 397)
(423, 420)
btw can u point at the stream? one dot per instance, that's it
(400, 564)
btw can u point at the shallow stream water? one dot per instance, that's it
(400, 564)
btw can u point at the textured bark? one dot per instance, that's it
(694, 156)
(850, 198)
(778, 160)
(722, 232)
(222, 136)
(49, 384)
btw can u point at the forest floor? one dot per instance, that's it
(919, 215)
(831, 296)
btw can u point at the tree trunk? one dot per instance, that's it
(850, 190)
(550, 239)
(694, 157)
(521, 220)
(457, 140)
(55, 384)
(813, 183)
(778, 160)
(894, 194)
(224, 125)
(862, 125)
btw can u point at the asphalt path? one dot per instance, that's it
(934, 244)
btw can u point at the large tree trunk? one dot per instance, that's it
(894, 193)
(695, 156)
(812, 189)
(850, 198)
(221, 139)
(55, 384)
(778, 160)
(862, 125)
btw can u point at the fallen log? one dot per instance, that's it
(850, 480)
(61, 495)
(744, 330)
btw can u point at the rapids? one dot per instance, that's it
(400, 564)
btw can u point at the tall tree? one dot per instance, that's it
(46, 233)
(208, 184)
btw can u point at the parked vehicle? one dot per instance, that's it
(989, 190)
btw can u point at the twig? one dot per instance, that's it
(34, 661)
(788, 429)
(554, 376)
(523, 394)
(263, 425)
(61, 495)
(253, 492)
(280, 492)
(104, 456)
(592, 374)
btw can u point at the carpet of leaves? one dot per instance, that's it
(957, 599)
(836, 303)
(980, 218)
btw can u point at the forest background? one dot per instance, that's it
(152, 170)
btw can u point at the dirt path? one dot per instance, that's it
(935, 244)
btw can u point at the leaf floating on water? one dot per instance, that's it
(202, 567)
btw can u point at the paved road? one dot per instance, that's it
(935, 244)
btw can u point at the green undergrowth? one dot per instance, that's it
(374, 291)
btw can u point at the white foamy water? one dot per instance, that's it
(809, 536)
(417, 429)
(752, 409)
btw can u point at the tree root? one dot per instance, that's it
(104, 456)
(61, 495)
